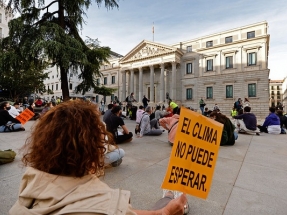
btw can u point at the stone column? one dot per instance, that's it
(173, 81)
(162, 96)
(132, 73)
(151, 84)
(140, 84)
(123, 85)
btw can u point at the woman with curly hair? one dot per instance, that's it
(228, 135)
(64, 158)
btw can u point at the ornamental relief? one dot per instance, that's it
(149, 51)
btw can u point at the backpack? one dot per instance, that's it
(127, 99)
(7, 156)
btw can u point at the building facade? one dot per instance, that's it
(276, 94)
(284, 94)
(220, 68)
(4, 19)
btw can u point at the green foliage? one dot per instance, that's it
(53, 36)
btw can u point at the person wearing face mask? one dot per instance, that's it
(7, 122)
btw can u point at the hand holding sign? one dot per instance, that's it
(193, 155)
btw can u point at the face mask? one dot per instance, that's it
(8, 108)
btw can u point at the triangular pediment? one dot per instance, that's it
(147, 49)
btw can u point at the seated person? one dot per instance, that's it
(246, 122)
(205, 113)
(39, 102)
(31, 108)
(170, 124)
(271, 124)
(113, 122)
(160, 114)
(283, 121)
(228, 134)
(233, 112)
(108, 113)
(7, 122)
(47, 107)
(168, 109)
(13, 110)
(113, 155)
(68, 181)
(149, 127)
(140, 112)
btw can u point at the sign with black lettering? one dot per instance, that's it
(194, 154)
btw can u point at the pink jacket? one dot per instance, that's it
(167, 123)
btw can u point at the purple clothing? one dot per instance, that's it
(249, 120)
(271, 119)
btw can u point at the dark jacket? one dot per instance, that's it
(5, 117)
(249, 120)
(283, 121)
(228, 133)
(271, 119)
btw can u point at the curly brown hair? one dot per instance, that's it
(219, 117)
(68, 140)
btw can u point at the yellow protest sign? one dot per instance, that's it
(194, 153)
(25, 116)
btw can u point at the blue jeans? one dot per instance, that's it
(202, 110)
(15, 126)
(235, 135)
(113, 156)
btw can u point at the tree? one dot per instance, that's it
(54, 36)
(20, 75)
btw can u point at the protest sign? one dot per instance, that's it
(25, 116)
(194, 153)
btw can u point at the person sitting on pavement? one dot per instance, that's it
(233, 112)
(31, 108)
(173, 106)
(14, 112)
(108, 113)
(168, 109)
(149, 127)
(68, 182)
(170, 124)
(283, 121)
(140, 112)
(158, 114)
(205, 113)
(39, 102)
(228, 135)
(47, 107)
(7, 122)
(113, 122)
(246, 122)
(271, 124)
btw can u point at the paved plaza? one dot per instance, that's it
(250, 177)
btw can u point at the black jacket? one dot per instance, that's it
(6, 117)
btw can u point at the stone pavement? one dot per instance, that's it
(250, 177)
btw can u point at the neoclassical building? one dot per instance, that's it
(220, 68)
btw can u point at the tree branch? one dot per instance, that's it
(49, 5)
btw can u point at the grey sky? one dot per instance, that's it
(179, 20)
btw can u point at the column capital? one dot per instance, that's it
(161, 65)
(151, 66)
(123, 71)
(140, 68)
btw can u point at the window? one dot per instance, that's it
(228, 39)
(229, 62)
(209, 92)
(71, 75)
(209, 64)
(250, 34)
(98, 81)
(71, 86)
(252, 59)
(105, 80)
(48, 87)
(52, 87)
(112, 97)
(56, 86)
(278, 92)
(189, 94)
(52, 76)
(272, 88)
(272, 92)
(229, 91)
(97, 98)
(189, 68)
(252, 90)
(113, 79)
(0, 17)
(189, 49)
(278, 87)
(279, 97)
(209, 43)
